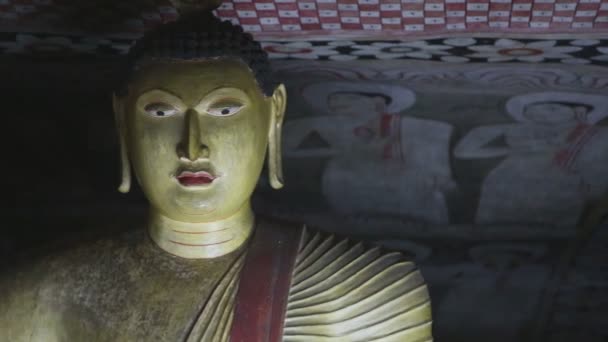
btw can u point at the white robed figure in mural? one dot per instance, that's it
(554, 156)
(379, 161)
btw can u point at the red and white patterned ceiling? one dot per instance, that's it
(329, 19)
(417, 16)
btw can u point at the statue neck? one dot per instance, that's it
(202, 240)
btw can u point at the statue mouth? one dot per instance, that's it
(190, 178)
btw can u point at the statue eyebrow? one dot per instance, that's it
(240, 94)
(160, 90)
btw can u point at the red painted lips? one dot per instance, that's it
(188, 178)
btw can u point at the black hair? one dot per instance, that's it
(387, 99)
(198, 36)
(568, 104)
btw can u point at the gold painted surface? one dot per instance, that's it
(201, 116)
(162, 285)
(215, 321)
(178, 281)
(122, 288)
(346, 291)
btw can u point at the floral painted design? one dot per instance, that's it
(449, 50)
(604, 54)
(460, 41)
(506, 50)
(297, 50)
(388, 50)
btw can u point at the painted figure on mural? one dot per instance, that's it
(199, 112)
(554, 156)
(380, 162)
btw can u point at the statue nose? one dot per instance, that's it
(193, 147)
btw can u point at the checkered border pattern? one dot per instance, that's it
(413, 16)
(586, 52)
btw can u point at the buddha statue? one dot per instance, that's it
(198, 114)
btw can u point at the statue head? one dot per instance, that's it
(196, 114)
(362, 100)
(358, 103)
(552, 113)
(556, 108)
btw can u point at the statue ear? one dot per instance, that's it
(119, 116)
(278, 102)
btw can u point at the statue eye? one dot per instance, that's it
(224, 110)
(160, 109)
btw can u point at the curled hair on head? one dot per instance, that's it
(199, 36)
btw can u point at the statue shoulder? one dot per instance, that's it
(19, 288)
(343, 289)
(35, 282)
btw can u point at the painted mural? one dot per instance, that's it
(439, 144)
(551, 155)
(370, 148)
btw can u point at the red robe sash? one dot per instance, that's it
(261, 300)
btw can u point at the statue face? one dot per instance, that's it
(354, 104)
(197, 134)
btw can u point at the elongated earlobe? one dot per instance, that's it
(275, 167)
(125, 184)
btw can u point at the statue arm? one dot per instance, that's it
(344, 291)
(472, 145)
